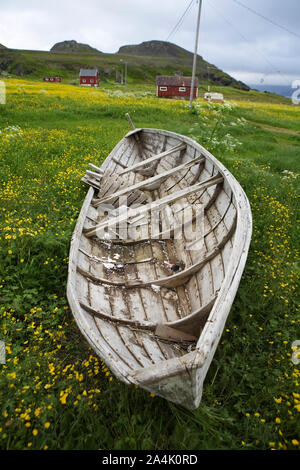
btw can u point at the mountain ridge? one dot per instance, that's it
(65, 59)
(163, 49)
(156, 48)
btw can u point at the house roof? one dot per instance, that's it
(88, 72)
(163, 80)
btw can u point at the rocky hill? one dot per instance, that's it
(182, 58)
(145, 61)
(156, 49)
(73, 46)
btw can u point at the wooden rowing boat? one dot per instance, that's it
(153, 304)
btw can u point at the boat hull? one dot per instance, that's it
(153, 326)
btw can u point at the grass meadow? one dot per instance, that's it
(54, 392)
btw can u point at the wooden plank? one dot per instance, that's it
(167, 332)
(135, 167)
(188, 295)
(193, 323)
(181, 277)
(184, 326)
(148, 182)
(91, 182)
(122, 262)
(96, 168)
(156, 205)
(136, 346)
(134, 131)
(94, 174)
(170, 281)
(111, 335)
(122, 321)
(130, 121)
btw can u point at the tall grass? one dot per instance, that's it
(54, 392)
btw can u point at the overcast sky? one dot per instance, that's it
(234, 39)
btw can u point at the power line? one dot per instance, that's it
(250, 44)
(178, 24)
(266, 18)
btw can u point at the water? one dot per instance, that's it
(283, 90)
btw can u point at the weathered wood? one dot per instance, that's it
(128, 300)
(170, 281)
(193, 323)
(150, 183)
(96, 168)
(180, 278)
(167, 332)
(125, 321)
(157, 205)
(139, 165)
(109, 261)
(130, 122)
(94, 174)
(91, 182)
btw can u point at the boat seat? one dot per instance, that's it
(149, 183)
(157, 205)
(184, 329)
(178, 148)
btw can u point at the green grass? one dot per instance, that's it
(142, 69)
(54, 392)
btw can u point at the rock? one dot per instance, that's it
(74, 47)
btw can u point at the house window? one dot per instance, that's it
(163, 88)
(182, 88)
(92, 81)
(83, 80)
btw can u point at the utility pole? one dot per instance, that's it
(125, 81)
(195, 55)
(125, 77)
(208, 85)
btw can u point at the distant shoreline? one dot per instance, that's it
(283, 90)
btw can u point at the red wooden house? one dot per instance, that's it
(89, 77)
(175, 87)
(52, 79)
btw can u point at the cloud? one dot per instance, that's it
(231, 37)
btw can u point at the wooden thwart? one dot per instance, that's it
(149, 183)
(156, 205)
(194, 321)
(135, 167)
(185, 329)
(166, 332)
(169, 233)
